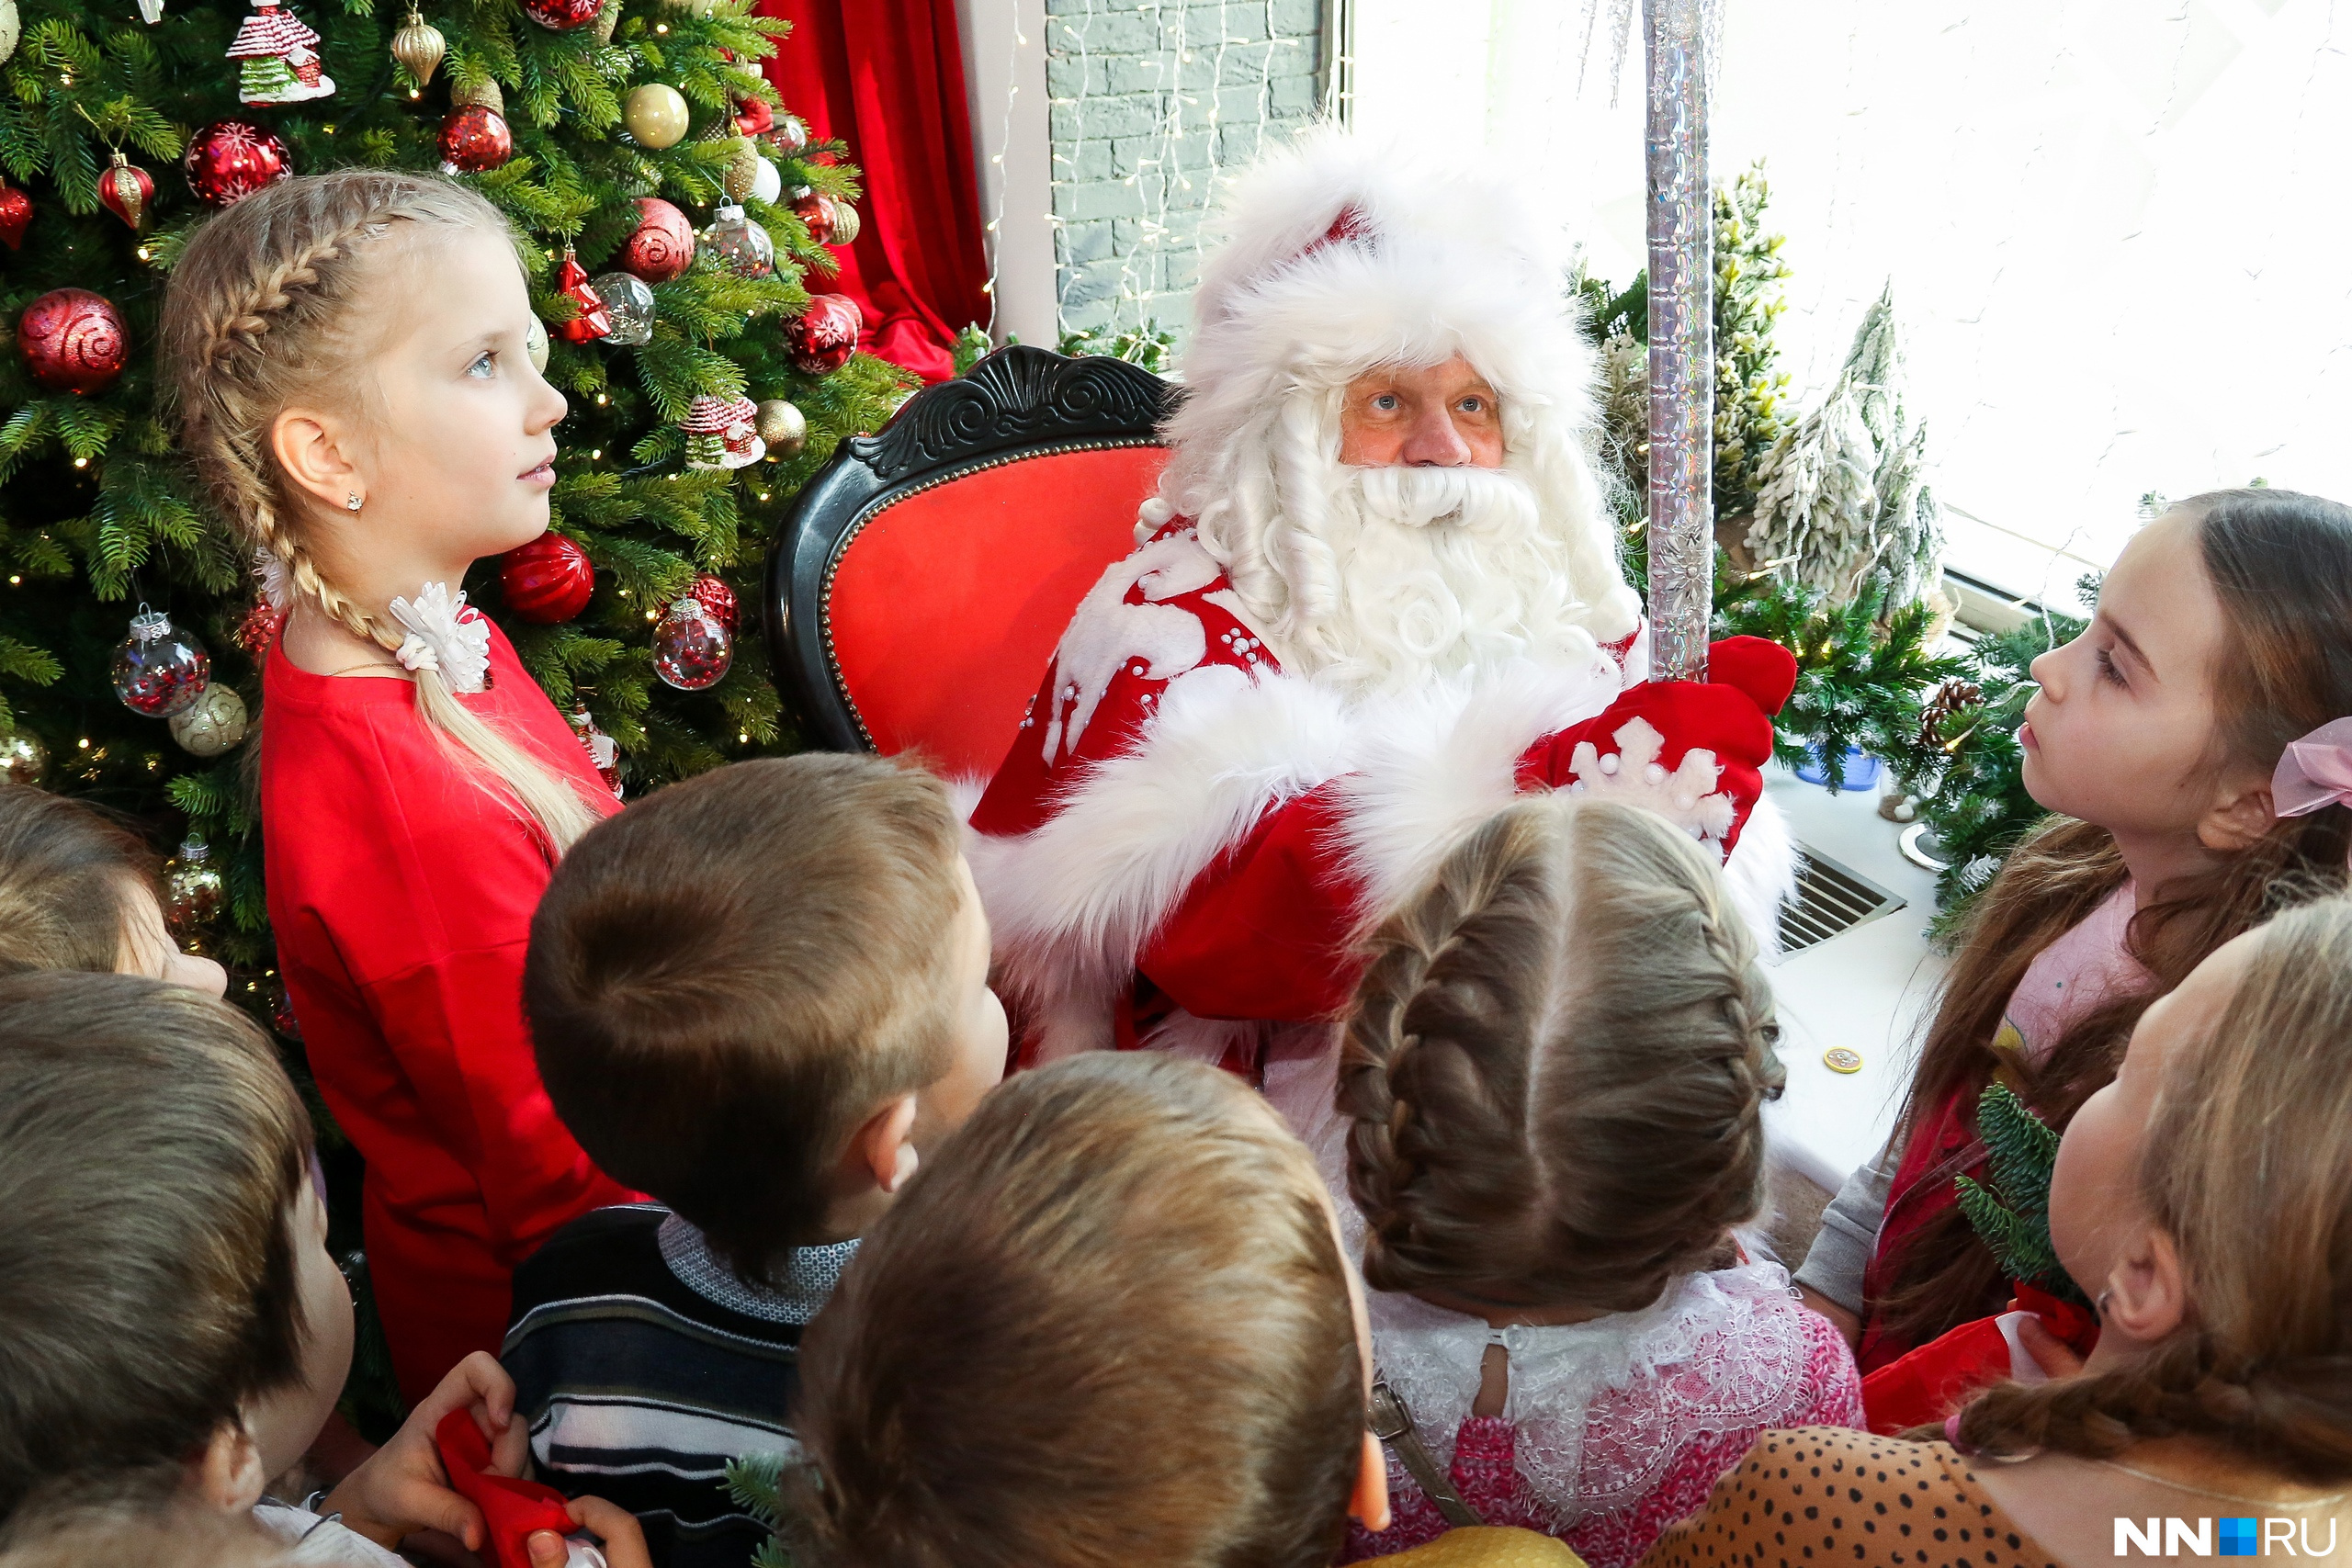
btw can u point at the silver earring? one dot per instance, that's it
(2100, 1306)
(353, 501)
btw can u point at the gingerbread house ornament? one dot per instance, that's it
(722, 433)
(280, 59)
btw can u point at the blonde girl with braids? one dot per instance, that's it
(2223, 636)
(349, 356)
(2203, 1199)
(1555, 1077)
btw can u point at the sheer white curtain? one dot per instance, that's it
(2117, 229)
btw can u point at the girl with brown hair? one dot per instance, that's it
(1555, 1074)
(2203, 1198)
(349, 352)
(79, 890)
(2223, 633)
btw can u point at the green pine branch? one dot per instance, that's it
(2011, 1210)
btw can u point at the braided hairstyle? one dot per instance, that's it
(1557, 1065)
(2246, 1164)
(270, 305)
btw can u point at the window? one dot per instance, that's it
(2120, 232)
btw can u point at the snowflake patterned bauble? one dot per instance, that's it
(722, 433)
(562, 15)
(231, 159)
(663, 244)
(125, 191)
(656, 115)
(692, 647)
(784, 428)
(548, 580)
(73, 341)
(23, 759)
(474, 140)
(159, 669)
(741, 246)
(279, 58)
(823, 337)
(212, 723)
(630, 303)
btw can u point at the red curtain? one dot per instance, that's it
(886, 78)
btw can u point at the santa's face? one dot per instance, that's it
(1442, 416)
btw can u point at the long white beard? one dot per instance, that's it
(1417, 572)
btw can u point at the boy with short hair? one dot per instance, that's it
(760, 996)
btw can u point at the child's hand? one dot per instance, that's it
(2050, 1353)
(401, 1488)
(624, 1541)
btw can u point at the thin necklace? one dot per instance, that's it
(2217, 1496)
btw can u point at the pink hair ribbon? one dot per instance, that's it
(2315, 771)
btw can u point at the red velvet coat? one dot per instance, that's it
(402, 895)
(1185, 841)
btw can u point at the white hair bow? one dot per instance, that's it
(444, 635)
(270, 572)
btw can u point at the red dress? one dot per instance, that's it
(402, 893)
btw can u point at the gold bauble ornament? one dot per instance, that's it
(214, 725)
(12, 27)
(742, 175)
(419, 46)
(846, 221)
(656, 115)
(486, 92)
(23, 759)
(784, 428)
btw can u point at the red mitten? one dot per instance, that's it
(511, 1508)
(1693, 751)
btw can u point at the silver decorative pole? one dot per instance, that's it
(1682, 342)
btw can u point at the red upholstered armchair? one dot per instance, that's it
(917, 590)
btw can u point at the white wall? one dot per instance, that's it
(1004, 79)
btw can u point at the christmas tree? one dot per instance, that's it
(2013, 1212)
(705, 388)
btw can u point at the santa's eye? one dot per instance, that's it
(1471, 405)
(1385, 402)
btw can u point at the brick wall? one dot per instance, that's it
(1149, 99)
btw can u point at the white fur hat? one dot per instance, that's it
(1342, 251)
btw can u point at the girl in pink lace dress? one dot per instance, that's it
(1552, 1087)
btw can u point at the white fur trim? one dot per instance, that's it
(1762, 873)
(1074, 901)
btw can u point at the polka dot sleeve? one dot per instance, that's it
(1821, 1495)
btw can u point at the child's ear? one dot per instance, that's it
(2239, 818)
(1368, 1503)
(2146, 1293)
(308, 453)
(880, 1147)
(227, 1475)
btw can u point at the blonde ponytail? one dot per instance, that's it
(257, 318)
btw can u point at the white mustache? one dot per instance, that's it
(1479, 499)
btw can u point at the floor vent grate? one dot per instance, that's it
(1830, 899)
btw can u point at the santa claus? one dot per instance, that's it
(1377, 594)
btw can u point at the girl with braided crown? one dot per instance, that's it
(2203, 1199)
(348, 352)
(1555, 1075)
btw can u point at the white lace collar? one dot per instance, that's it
(1596, 1426)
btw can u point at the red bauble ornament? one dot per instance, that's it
(593, 320)
(562, 15)
(257, 633)
(124, 189)
(754, 117)
(474, 140)
(663, 247)
(74, 339)
(546, 581)
(823, 336)
(231, 159)
(716, 597)
(817, 213)
(16, 213)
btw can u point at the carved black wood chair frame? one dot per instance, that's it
(1018, 402)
